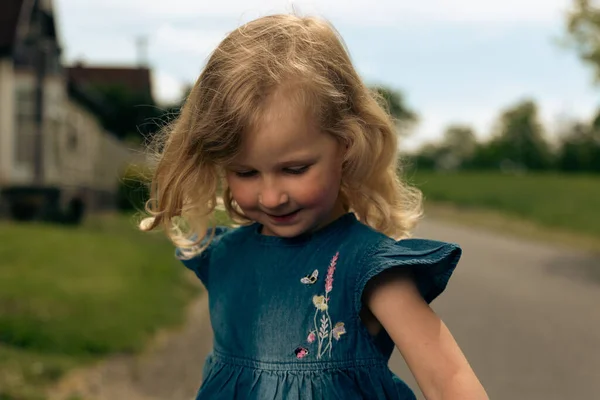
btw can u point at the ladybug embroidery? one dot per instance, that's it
(301, 352)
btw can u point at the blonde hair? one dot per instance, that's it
(270, 54)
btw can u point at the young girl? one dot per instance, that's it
(310, 294)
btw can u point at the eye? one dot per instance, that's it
(245, 174)
(297, 170)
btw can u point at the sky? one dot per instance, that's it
(456, 61)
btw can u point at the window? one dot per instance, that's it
(25, 110)
(72, 139)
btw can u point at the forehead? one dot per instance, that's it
(285, 130)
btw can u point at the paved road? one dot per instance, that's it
(526, 315)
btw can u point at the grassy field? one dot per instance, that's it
(565, 202)
(72, 295)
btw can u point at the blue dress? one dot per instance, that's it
(285, 311)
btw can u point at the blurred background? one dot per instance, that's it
(499, 122)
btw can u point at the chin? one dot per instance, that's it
(305, 222)
(289, 231)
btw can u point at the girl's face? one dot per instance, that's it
(288, 173)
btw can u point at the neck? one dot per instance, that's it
(337, 211)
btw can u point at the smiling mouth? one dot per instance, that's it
(283, 215)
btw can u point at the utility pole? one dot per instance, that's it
(142, 51)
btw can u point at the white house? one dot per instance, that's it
(70, 158)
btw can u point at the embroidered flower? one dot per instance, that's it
(330, 271)
(320, 303)
(311, 337)
(338, 330)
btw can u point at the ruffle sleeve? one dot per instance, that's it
(201, 262)
(430, 262)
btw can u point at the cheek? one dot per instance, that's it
(319, 190)
(242, 192)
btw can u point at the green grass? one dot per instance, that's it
(569, 202)
(72, 295)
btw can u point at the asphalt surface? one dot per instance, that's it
(526, 315)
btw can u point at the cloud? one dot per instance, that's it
(196, 41)
(459, 11)
(454, 40)
(483, 117)
(167, 88)
(356, 12)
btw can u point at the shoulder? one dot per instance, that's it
(210, 239)
(375, 243)
(227, 236)
(218, 239)
(363, 238)
(221, 236)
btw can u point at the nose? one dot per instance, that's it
(272, 195)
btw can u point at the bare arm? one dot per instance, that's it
(430, 351)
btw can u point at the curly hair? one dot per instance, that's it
(308, 56)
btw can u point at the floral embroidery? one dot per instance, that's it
(324, 332)
(330, 271)
(320, 302)
(338, 330)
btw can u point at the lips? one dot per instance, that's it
(283, 218)
(283, 215)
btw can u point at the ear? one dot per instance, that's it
(344, 145)
(346, 148)
(342, 150)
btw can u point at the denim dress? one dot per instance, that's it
(285, 311)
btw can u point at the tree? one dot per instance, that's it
(520, 138)
(583, 28)
(580, 148)
(454, 151)
(132, 116)
(395, 103)
(459, 144)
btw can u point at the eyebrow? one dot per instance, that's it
(282, 164)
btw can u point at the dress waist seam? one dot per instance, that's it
(299, 365)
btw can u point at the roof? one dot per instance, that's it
(135, 79)
(9, 17)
